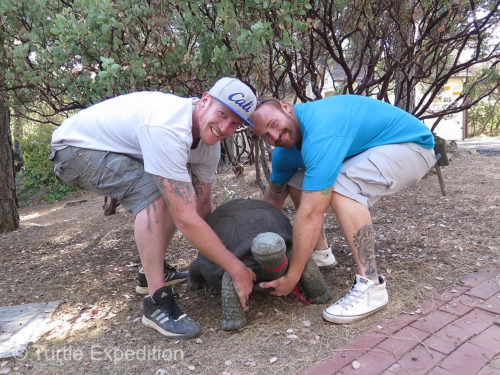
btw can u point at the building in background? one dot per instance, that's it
(454, 126)
(451, 127)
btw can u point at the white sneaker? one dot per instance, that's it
(363, 299)
(324, 258)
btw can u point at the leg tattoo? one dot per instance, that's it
(364, 242)
(155, 213)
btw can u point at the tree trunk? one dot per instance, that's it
(258, 178)
(229, 149)
(404, 88)
(9, 217)
(17, 150)
(263, 158)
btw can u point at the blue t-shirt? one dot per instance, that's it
(339, 127)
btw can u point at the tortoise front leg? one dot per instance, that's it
(313, 284)
(195, 279)
(233, 316)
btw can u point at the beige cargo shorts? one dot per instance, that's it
(378, 171)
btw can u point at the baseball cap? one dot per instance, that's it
(235, 95)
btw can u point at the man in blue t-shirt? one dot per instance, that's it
(345, 152)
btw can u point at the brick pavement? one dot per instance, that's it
(454, 333)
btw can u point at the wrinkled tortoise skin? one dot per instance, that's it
(260, 235)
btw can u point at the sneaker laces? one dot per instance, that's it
(174, 310)
(350, 298)
(166, 267)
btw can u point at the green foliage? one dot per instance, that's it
(57, 191)
(37, 173)
(37, 170)
(69, 55)
(484, 118)
(73, 54)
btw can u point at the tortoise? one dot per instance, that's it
(261, 236)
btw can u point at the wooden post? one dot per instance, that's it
(440, 178)
(442, 160)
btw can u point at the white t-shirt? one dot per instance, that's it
(152, 126)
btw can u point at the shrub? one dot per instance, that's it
(484, 117)
(37, 173)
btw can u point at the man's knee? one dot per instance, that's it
(341, 201)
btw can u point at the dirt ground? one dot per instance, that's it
(69, 252)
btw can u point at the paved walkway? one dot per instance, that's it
(489, 146)
(454, 333)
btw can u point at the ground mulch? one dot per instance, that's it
(69, 252)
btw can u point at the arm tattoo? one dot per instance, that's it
(324, 191)
(160, 182)
(364, 242)
(277, 188)
(181, 189)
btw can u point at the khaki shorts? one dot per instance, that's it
(378, 171)
(106, 173)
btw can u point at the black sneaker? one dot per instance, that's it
(172, 277)
(162, 313)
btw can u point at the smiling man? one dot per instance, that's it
(343, 152)
(137, 148)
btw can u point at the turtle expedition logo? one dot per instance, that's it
(113, 354)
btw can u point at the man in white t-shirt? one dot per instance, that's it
(136, 148)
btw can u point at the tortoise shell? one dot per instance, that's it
(236, 223)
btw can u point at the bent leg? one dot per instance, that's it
(356, 224)
(368, 292)
(362, 181)
(153, 231)
(122, 177)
